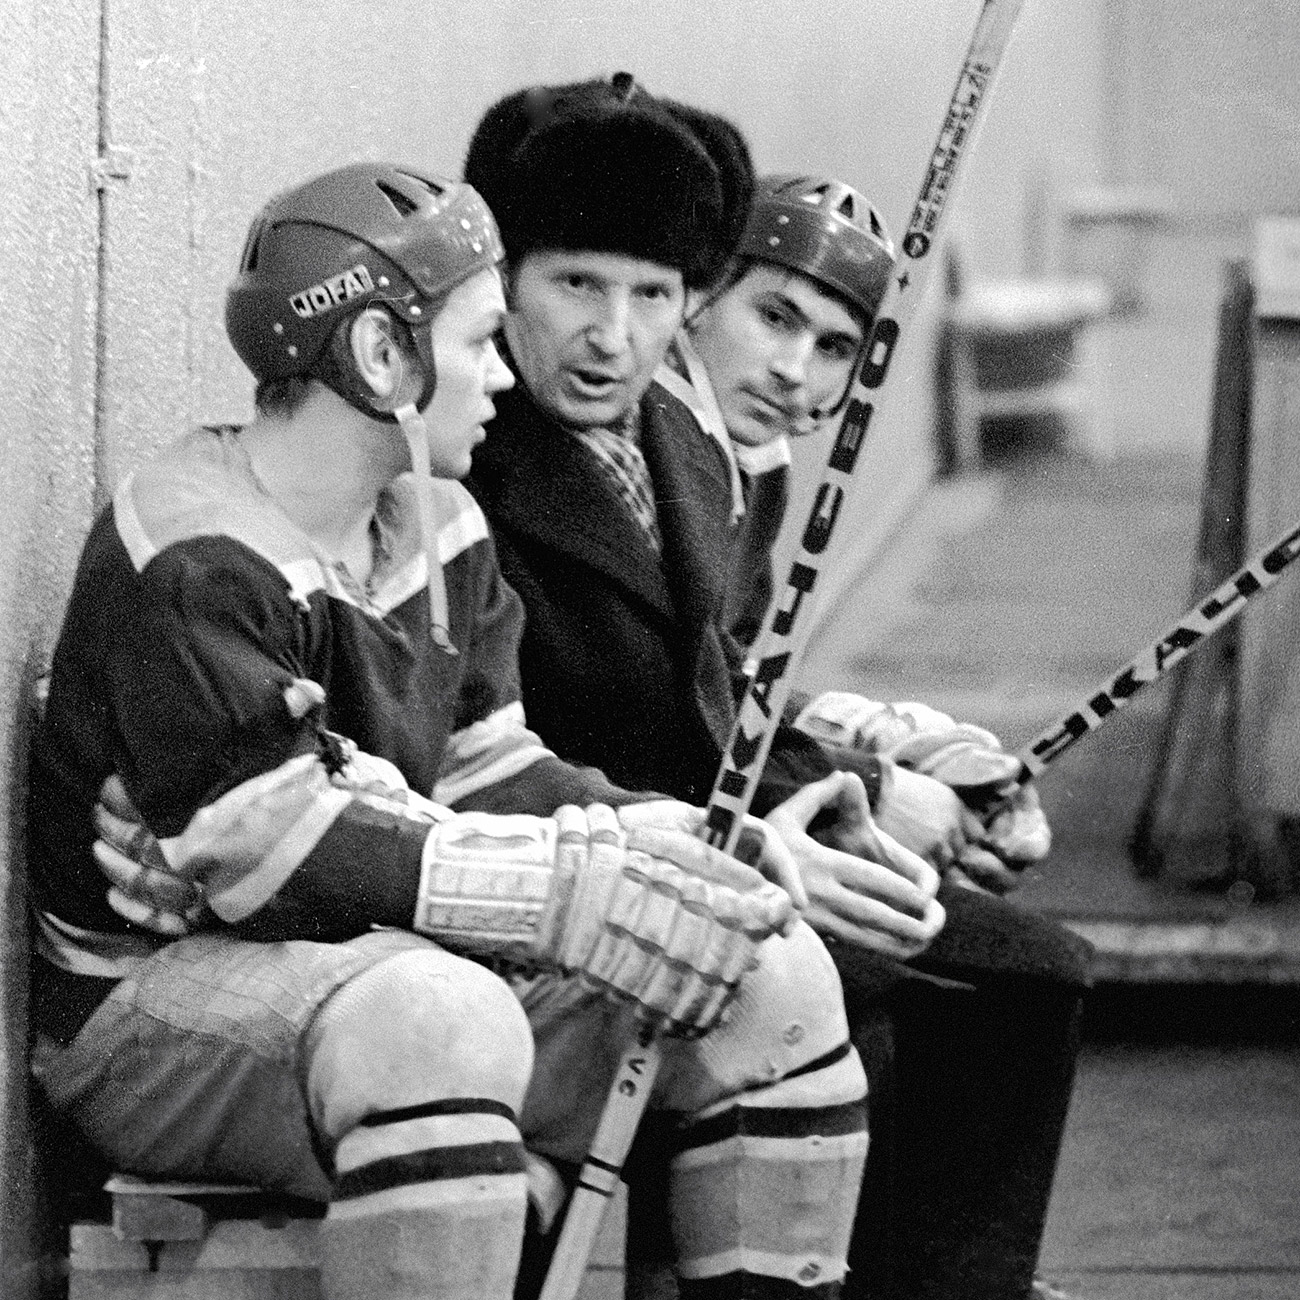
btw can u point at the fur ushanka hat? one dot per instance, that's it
(603, 166)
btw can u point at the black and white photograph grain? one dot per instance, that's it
(647, 650)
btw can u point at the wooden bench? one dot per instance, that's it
(214, 1241)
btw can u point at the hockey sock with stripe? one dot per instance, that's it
(764, 1186)
(429, 1201)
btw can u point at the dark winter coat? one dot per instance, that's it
(623, 662)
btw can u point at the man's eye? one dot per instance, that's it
(837, 349)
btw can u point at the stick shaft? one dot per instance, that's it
(1206, 617)
(633, 1083)
(745, 757)
(776, 650)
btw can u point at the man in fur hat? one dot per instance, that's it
(602, 497)
(611, 519)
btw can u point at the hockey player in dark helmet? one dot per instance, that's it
(952, 1205)
(772, 354)
(810, 269)
(325, 754)
(339, 288)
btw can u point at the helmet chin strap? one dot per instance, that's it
(416, 431)
(336, 369)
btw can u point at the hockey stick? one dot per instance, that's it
(766, 694)
(599, 1177)
(1200, 622)
(776, 651)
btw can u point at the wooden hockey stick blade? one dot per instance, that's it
(598, 1180)
(1204, 618)
(776, 650)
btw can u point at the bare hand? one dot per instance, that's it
(883, 900)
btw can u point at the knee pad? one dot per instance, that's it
(417, 1027)
(787, 1017)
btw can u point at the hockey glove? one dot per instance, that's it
(967, 758)
(168, 898)
(143, 887)
(649, 915)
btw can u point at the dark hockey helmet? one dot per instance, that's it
(363, 234)
(824, 229)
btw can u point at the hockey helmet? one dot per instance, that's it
(827, 231)
(363, 234)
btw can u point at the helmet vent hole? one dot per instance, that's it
(846, 205)
(425, 182)
(404, 204)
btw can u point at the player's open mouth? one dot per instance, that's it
(593, 383)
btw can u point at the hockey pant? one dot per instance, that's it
(404, 1072)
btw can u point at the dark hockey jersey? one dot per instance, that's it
(197, 604)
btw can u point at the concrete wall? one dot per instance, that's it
(48, 126)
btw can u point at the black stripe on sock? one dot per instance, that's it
(448, 1106)
(778, 1122)
(431, 1166)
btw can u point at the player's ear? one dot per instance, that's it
(376, 356)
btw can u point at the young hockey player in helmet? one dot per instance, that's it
(297, 650)
(771, 355)
(956, 1192)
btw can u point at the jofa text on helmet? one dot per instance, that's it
(333, 292)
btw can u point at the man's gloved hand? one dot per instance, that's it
(168, 897)
(759, 845)
(866, 888)
(651, 914)
(143, 886)
(968, 759)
